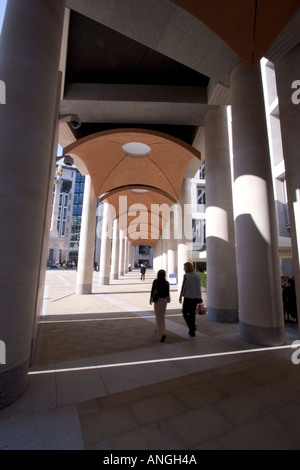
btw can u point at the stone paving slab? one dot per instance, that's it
(101, 380)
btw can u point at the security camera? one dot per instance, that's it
(68, 160)
(75, 124)
(73, 119)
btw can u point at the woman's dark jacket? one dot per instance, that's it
(163, 288)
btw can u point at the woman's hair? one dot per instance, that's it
(188, 267)
(161, 275)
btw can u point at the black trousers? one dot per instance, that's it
(189, 313)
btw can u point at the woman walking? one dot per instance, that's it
(160, 295)
(191, 291)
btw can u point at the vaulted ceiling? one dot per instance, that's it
(143, 180)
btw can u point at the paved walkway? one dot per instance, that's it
(100, 379)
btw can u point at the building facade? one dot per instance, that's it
(68, 190)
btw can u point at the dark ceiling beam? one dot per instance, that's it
(176, 105)
(136, 112)
(142, 93)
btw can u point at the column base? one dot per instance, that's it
(222, 315)
(262, 335)
(83, 289)
(104, 281)
(13, 383)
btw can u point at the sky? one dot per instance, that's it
(2, 11)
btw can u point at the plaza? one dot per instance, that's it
(100, 380)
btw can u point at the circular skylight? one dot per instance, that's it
(140, 191)
(136, 149)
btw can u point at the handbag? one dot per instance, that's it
(168, 299)
(201, 309)
(155, 296)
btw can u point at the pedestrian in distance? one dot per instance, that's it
(160, 296)
(289, 299)
(143, 272)
(191, 292)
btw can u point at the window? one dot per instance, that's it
(199, 235)
(201, 199)
(202, 172)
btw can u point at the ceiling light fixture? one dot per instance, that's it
(140, 191)
(136, 149)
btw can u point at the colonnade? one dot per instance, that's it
(117, 252)
(29, 57)
(242, 239)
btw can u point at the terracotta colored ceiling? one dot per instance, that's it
(249, 27)
(115, 175)
(142, 215)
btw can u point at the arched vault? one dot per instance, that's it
(140, 187)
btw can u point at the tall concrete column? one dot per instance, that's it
(126, 255)
(54, 218)
(105, 253)
(222, 296)
(87, 240)
(115, 251)
(158, 255)
(53, 235)
(259, 286)
(121, 253)
(131, 255)
(29, 59)
(172, 247)
(287, 71)
(184, 247)
(164, 254)
(155, 257)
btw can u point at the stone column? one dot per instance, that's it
(121, 253)
(170, 245)
(222, 296)
(287, 71)
(126, 255)
(87, 240)
(158, 254)
(155, 262)
(53, 235)
(260, 302)
(105, 254)
(131, 254)
(54, 218)
(164, 254)
(115, 251)
(184, 248)
(29, 59)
